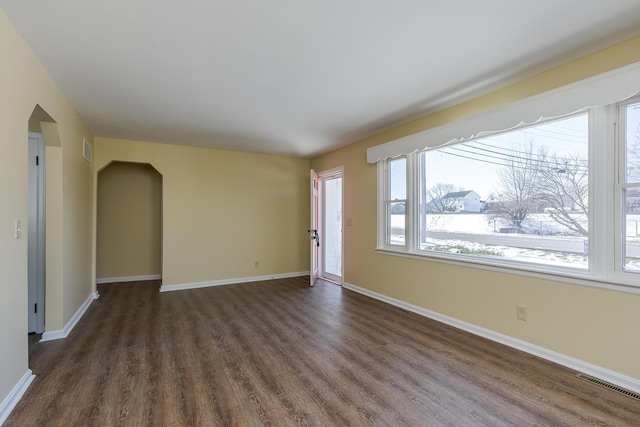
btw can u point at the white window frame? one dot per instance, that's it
(606, 164)
(384, 201)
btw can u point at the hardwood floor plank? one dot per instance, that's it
(279, 353)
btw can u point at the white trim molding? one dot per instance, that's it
(196, 285)
(104, 280)
(612, 377)
(15, 395)
(63, 333)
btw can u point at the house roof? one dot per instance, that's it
(457, 194)
(298, 78)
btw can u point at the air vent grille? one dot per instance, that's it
(86, 150)
(628, 393)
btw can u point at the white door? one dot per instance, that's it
(36, 234)
(313, 230)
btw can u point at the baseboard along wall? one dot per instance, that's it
(63, 333)
(104, 280)
(195, 285)
(15, 395)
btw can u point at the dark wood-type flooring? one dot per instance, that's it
(280, 353)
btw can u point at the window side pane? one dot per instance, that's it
(397, 179)
(520, 195)
(630, 193)
(396, 224)
(631, 230)
(632, 136)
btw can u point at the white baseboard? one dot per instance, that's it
(195, 285)
(63, 333)
(104, 280)
(15, 395)
(612, 377)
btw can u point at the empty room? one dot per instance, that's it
(320, 213)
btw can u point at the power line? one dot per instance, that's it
(515, 165)
(518, 151)
(512, 160)
(530, 157)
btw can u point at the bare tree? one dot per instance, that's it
(438, 202)
(517, 187)
(539, 178)
(564, 188)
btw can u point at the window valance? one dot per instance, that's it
(603, 89)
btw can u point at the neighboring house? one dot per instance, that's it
(463, 201)
(495, 203)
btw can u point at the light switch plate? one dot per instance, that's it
(18, 229)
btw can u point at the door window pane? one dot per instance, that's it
(333, 226)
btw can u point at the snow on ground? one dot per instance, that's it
(540, 224)
(536, 225)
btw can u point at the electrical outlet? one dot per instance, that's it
(256, 264)
(521, 313)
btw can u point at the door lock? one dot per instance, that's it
(315, 236)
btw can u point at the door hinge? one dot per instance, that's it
(37, 160)
(35, 308)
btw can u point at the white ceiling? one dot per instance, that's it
(297, 77)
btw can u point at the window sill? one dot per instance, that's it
(576, 277)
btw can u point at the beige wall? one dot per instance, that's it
(24, 83)
(129, 221)
(224, 210)
(594, 325)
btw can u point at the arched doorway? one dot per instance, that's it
(129, 223)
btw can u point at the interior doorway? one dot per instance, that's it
(330, 224)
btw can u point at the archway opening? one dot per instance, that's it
(129, 223)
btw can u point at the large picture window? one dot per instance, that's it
(520, 195)
(537, 197)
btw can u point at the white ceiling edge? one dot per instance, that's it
(603, 89)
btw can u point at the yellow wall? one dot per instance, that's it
(24, 83)
(223, 210)
(129, 221)
(594, 325)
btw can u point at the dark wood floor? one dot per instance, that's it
(280, 353)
